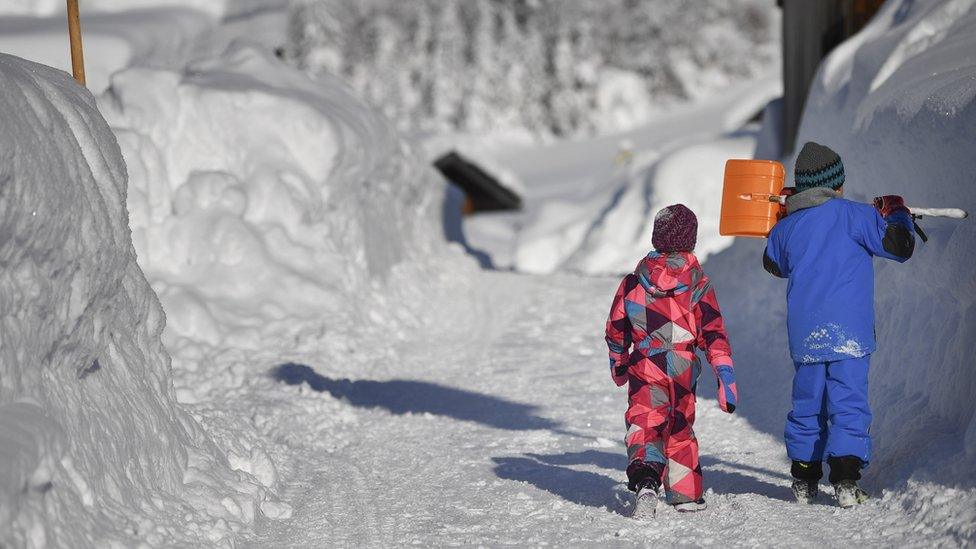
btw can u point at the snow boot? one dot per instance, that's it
(645, 505)
(805, 491)
(641, 473)
(849, 494)
(845, 471)
(691, 506)
(645, 479)
(806, 480)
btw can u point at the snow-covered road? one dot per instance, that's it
(513, 436)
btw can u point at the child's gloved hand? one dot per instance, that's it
(618, 371)
(728, 396)
(890, 204)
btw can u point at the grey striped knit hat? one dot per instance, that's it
(818, 166)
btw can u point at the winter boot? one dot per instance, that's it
(645, 505)
(691, 506)
(849, 494)
(845, 471)
(805, 491)
(645, 479)
(806, 480)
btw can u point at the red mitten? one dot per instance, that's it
(890, 204)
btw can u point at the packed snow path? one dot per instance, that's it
(513, 436)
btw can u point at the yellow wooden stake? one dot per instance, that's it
(74, 34)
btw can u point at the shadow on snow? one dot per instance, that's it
(605, 460)
(731, 482)
(400, 396)
(579, 487)
(553, 474)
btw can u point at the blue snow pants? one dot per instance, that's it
(830, 415)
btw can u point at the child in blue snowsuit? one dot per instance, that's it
(824, 246)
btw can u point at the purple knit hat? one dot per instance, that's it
(675, 229)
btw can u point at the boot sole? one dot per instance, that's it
(692, 507)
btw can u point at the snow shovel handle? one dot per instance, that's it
(952, 213)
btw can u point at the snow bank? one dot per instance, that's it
(276, 217)
(588, 204)
(112, 41)
(271, 211)
(30, 7)
(147, 33)
(94, 448)
(609, 235)
(898, 103)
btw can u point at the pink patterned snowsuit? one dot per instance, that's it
(661, 313)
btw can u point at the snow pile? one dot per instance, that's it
(553, 68)
(610, 237)
(95, 450)
(898, 103)
(30, 7)
(271, 211)
(112, 41)
(588, 204)
(152, 33)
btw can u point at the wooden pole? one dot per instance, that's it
(74, 34)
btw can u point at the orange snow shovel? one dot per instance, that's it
(750, 198)
(754, 199)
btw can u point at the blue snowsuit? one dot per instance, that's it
(824, 246)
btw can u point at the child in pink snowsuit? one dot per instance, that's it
(661, 313)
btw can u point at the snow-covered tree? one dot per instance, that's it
(555, 67)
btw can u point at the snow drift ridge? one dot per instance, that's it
(95, 449)
(268, 208)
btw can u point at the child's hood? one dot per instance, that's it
(668, 274)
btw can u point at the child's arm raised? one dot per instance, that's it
(715, 341)
(887, 229)
(618, 332)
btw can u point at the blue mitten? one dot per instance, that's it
(728, 396)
